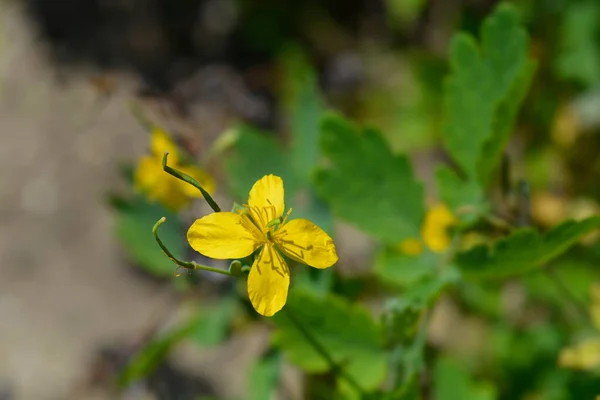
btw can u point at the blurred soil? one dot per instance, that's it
(64, 291)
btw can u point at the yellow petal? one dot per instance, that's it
(268, 281)
(224, 235)
(435, 228)
(585, 355)
(266, 199)
(204, 179)
(303, 241)
(161, 142)
(146, 174)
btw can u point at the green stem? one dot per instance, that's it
(319, 348)
(186, 178)
(574, 300)
(184, 264)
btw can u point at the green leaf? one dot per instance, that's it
(264, 377)
(316, 281)
(409, 122)
(452, 382)
(404, 330)
(347, 332)
(134, 230)
(579, 54)
(458, 193)
(366, 184)
(257, 154)
(213, 323)
(410, 391)
(402, 269)
(524, 250)
(506, 113)
(145, 362)
(304, 108)
(484, 90)
(401, 312)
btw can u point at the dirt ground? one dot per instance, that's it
(63, 288)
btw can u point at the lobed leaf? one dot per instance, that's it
(348, 332)
(366, 184)
(524, 250)
(486, 86)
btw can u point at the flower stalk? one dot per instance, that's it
(319, 348)
(188, 179)
(190, 265)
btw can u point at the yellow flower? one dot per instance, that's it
(584, 355)
(435, 228)
(434, 232)
(158, 185)
(411, 247)
(262, 225)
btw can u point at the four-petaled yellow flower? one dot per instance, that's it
(160, 186)
(263, 225)
(434, 232)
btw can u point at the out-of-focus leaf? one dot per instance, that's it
(401, 311)
(452, 382)
(404, 11)
(405, 334)
(367, 185)
(524, 250)
(573, 273)
(304, 108)
(484, 90)
(458, 193)
(412, 120)
(316, 281)
(348, 332)
(134, 230)
(257, 154)
(263, 378)
(579, 56)
(403, 269)
(213, 322)
(410, 391)
(149, 358)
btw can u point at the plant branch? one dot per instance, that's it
(186, 178)
(192, 265)
(319, 348)
(574, 300)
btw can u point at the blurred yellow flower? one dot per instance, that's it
(262, 225)
(586, 354)
(158, 185)
(411, 247)
(434, 232)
